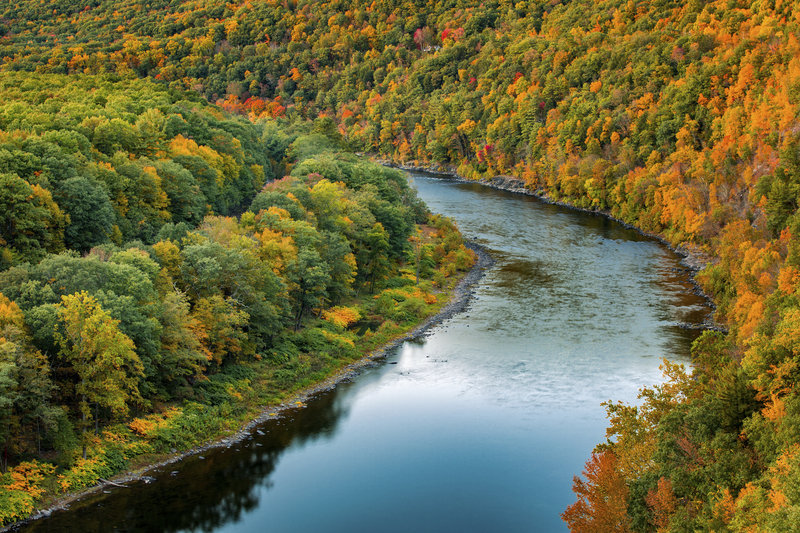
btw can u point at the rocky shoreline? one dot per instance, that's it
(692, 260)
(459, 300)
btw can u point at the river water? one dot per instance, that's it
(477, 427)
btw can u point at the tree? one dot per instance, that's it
(30, 222)
(25, 391)
(25, 385)
(374, 257)
(220, 328)
(103, 358)
(336, 253)
(182, 357)
(602, 498)
(8, 396)
(115, 134)
(90, 213)
(187, 203)
(309, 276)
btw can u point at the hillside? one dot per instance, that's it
(680, 118)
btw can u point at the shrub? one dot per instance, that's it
(20, 488)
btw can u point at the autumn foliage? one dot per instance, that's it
(602, 498)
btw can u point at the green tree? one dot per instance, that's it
(8, 397)
(181, 357)
(187, 203)
(309, 276)
(25, 386)
(31, 224)
(90, 213)
(374, 257)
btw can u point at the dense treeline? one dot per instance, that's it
(678, 117)
(138, 316)
(110, 161)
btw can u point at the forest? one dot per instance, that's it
(159, 285)
(680, 118)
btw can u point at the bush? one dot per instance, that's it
(192, 427)
(85, 473)
(20, 488)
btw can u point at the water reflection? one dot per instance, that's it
(209, 490)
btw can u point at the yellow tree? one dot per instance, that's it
(103, 358)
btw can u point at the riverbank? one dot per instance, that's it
(693, 260)
(459, 299)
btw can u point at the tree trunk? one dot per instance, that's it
(300, 311)
(83, 428)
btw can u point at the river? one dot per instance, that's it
(477, 427)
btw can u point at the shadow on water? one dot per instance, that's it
(513, 272)
(212, 489)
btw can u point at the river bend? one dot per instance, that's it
(480, 425)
